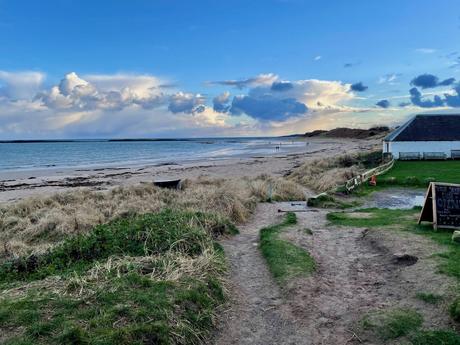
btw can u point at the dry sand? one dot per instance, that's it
(16, 185)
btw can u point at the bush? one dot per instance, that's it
(390, 180)
(428, 180)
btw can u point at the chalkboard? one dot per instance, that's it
(442, 205)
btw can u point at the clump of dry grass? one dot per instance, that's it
(268, 188)
(323, 174)
(327, 173)
(36, 224)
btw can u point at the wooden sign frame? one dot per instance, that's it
(429, 210)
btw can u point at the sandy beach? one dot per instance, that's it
(15, 185)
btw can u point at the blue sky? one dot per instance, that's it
(199, 68)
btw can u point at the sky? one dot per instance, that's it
(170, 68)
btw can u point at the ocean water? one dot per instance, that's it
(93, 153)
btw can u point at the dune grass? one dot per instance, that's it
(327, 173)
(155, 278)
(35, 224)
(285, 260)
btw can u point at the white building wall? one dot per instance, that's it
(395, 147)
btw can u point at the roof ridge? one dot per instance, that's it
(428, 127)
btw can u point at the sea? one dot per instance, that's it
(32, 155)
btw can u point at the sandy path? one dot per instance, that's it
(345, 284)
(356, 273)
(259, 314)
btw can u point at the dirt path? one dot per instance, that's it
(259, 314)
(357, 272)
(361, 271)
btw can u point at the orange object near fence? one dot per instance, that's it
(373, 181)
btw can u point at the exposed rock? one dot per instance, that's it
(456, 236)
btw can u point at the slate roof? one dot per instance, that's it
(428, 127)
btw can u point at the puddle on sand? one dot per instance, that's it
(396, 199)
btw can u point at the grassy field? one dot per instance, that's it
(391, 325)
(421, 173)
(415, 174)
(285, 260)
(149, 279)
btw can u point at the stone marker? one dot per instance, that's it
(456, 236)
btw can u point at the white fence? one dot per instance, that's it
(351, 184)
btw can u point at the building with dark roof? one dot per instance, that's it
(426, 136)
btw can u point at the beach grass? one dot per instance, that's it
(285, 260)
(330, 172)
(36, 224)
(155, 278)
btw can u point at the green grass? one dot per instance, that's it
(429, 297)
(435, 338)
(392, 324)
(285, 260)
(147, 234)
(415, 174)
(378, 217)
(307, 231)
(121, 284)
(442, 171)
(454, 309)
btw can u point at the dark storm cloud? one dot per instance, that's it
(281, 86)
(416, 99)
(427, 81)
(358, 87)
(267, 107)
(453, 100)
(384, 103)
(262, 79)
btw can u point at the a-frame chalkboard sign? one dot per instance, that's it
(442, 206)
